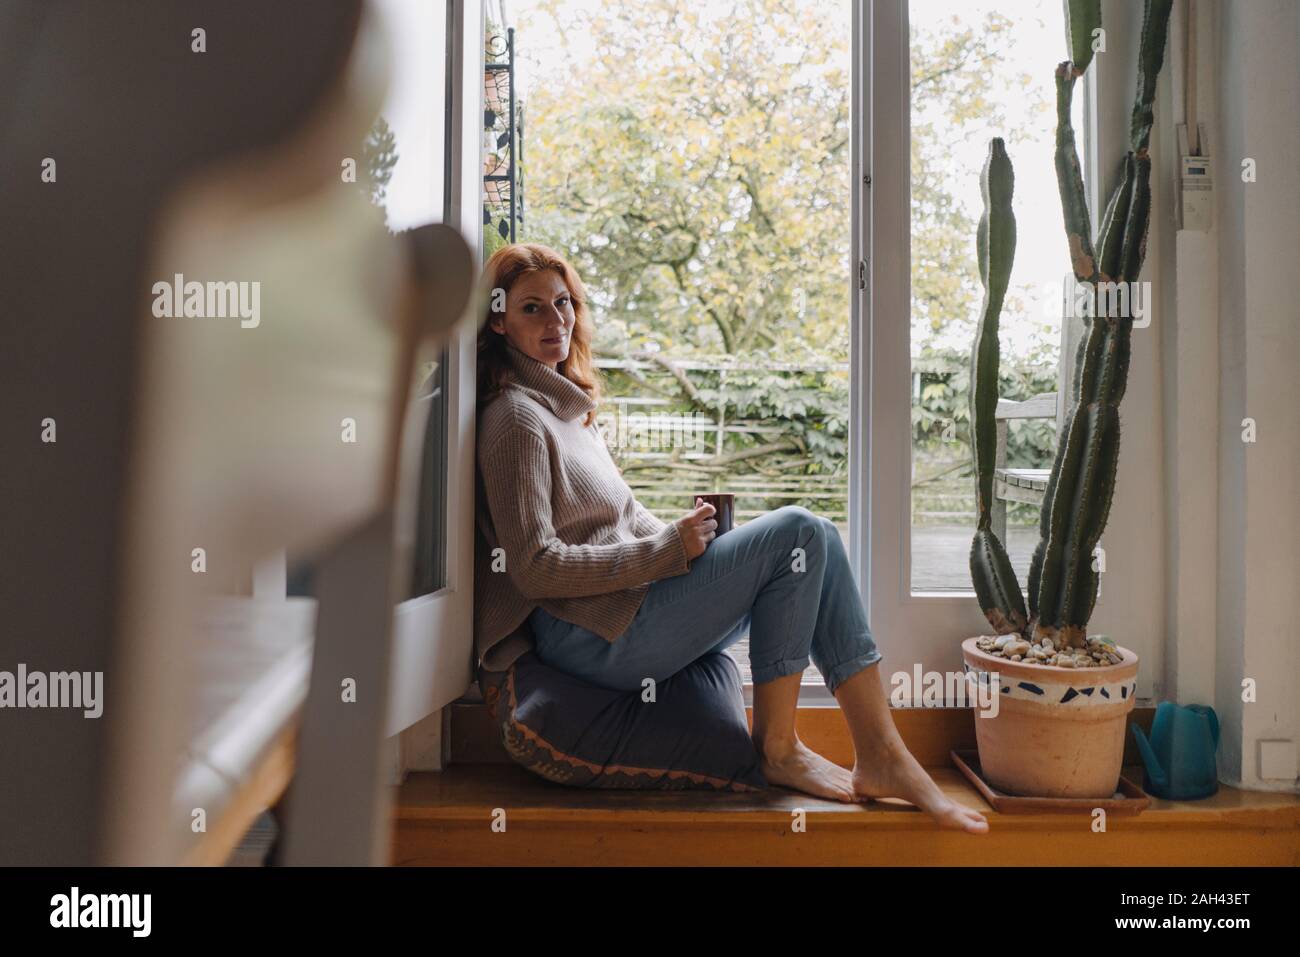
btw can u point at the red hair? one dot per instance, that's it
(507, 265)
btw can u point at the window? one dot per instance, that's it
(774, 208)
(693, 162)
(976, 73)
(920, 605)
(404, 170)
(423, 167)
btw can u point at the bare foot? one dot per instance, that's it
(893, 772)
(797, 766)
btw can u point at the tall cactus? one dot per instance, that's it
(1062, 580)
(990, 568)
(1082, 17)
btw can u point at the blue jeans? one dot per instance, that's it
(784, 577)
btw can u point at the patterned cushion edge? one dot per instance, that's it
(525, 746)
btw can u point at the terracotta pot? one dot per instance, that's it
(1058, 732)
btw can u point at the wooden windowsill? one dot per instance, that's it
(445, 818)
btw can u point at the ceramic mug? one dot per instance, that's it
(725, 505)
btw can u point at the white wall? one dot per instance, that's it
(1231, 351)
(1190, 357)
(1259, 344)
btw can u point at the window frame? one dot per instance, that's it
(433, 659)
(926, 628)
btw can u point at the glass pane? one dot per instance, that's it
(431, 531)
(406, 164)
(404, 172)
(693, 162)
(977, 73)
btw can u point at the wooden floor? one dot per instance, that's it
(447, 819)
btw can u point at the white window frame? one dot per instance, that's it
(433, 635)
(927, 628)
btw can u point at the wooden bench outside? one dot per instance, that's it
(1018, 485)
(1030, 485)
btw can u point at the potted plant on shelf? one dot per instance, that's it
(1063, 696)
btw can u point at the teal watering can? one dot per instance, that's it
(1180, 757)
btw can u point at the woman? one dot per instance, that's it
(613, 596)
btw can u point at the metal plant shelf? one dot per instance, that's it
(503, 140)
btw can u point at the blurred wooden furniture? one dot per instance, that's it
(181, 433)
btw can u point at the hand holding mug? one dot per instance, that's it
(697, 528)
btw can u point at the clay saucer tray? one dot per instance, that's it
(1128, 798)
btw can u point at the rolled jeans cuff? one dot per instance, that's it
(778, 669)
(837, 675)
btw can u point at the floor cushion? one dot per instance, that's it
(693, 736)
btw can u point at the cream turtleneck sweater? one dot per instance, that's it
(557, 526)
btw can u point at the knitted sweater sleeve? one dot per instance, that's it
(516, 475)
(646, 522)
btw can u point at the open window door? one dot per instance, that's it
(433, 635)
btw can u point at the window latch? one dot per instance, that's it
(862, 274)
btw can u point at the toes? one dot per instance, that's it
(968, 820)
(837, 791)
